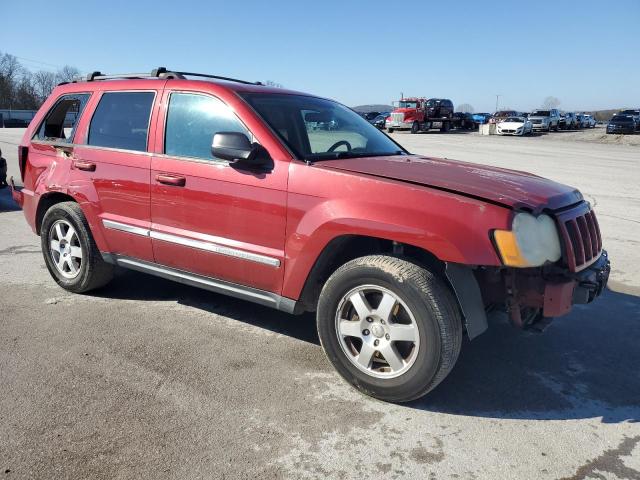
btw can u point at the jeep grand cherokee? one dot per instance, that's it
(229, 186)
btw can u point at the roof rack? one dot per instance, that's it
(160, 72)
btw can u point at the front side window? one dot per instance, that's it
(193, 120)
(59, 124)
(121, 120)
(318, 129)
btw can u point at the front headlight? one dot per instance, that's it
(531, 242)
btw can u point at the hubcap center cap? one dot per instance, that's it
(377, 330)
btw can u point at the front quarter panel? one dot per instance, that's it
(324, 204)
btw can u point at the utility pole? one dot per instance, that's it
(497, 96)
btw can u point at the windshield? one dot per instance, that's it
(621, 120)
(513, 119)
(319, 129)
(541, 113)
(407, 104)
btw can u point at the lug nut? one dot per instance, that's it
(376, 343)
(382, 321)
(369, 319)
(365, 332)
(387, 336)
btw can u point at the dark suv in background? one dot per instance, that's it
(623, 124)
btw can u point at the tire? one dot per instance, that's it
(77, 264)
(415, 127)
(445, 127)
(421, 297)
(390, 130)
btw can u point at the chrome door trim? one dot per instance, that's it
(193, 243)
(125, 227)
(215, 248)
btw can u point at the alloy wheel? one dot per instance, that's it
(65, 249)
(377, 331)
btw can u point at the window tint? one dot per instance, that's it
(60, 122)
(121, 120)
(193, 120)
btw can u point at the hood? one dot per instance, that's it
(539, 117)
(509, 188)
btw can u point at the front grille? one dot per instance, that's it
(580, 236)
(397, 117)
(508, 130)
(537, 122)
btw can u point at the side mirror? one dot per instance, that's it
(233, 146)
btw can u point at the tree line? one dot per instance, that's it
(21, 89)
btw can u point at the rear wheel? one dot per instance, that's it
(445, 127)
(69, 250)
(390, 130)
(391, 328)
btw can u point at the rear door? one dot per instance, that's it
(209, 217)
(113, 158)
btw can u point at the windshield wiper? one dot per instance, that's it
(342, 155)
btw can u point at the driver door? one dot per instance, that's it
(209, 217)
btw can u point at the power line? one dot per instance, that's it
(30, 60)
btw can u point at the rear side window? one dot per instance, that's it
(60, 122)
(121, 120)
(193, 120)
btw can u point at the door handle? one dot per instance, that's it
(86, 166)
(173, 180)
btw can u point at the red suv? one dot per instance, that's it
(234, 187)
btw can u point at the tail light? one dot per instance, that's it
(23, 154)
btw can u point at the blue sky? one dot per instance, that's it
(586, 53)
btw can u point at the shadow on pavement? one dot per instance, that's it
(585, 365)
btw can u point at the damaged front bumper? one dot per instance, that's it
(531, 298)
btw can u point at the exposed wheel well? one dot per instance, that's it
(344, 248)
(46, 202)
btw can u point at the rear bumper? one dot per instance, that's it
(16, 193)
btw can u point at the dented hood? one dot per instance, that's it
(510, 188)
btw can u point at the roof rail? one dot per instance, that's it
(160, 72)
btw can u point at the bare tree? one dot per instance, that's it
(25, 95)
(465, 108)
(67, 74)
(10, 71)
(551, 102)
(44, 82)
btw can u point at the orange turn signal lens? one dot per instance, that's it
(508, 249)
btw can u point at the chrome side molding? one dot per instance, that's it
(215, 248)
(193, 243)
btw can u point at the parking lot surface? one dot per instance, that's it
(151, 379)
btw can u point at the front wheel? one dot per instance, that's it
(390, 130)
(415, 127)
(391, 328)
(69, 250)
